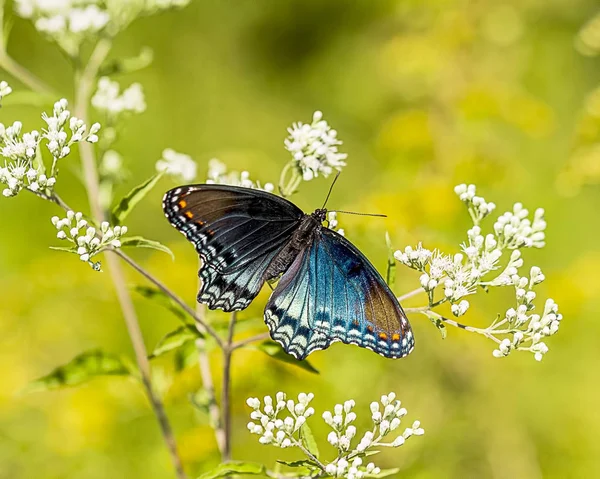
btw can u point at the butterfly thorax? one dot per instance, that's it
(302, 237)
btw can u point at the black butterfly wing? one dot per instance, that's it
(237, 232)
(333, 293)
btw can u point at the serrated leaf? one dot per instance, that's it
(386, 472)
(274, 350)
(156, 295)
(131, 199)
(176, 339)
(230, 468)
(390, 277)
(140, 242)
(82, 368)
(308, 439)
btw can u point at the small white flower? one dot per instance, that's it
(314, 148)
(177, 164)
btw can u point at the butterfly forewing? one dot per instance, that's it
(333, 293)
(237, 232)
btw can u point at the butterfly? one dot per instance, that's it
(327, 290)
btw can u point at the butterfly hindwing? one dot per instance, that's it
(333, 293)
(237, 232)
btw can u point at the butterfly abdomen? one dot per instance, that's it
(301, 238)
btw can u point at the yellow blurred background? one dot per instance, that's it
(425, 95)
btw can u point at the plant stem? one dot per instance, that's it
(203, 326)
(225, 399)
(484, 332)
(410, 294)
(252, 339)
(84, 84)
(208, 383)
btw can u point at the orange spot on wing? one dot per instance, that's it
(182, 204)
(383, 336)
(189, 214)
(395, 337)
(370, 329)
(200, 223)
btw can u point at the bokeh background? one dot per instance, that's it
(425, 95)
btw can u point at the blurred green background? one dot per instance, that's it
(425, 95)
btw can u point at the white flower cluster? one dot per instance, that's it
(333, 223)
(477, 206)
(71, 22)
(218, 174)
(109, 99)
(462, 273)
(274, 430)
(68, 22)
(23, 170)
(21, 175)
(314, 148)
(527, 328)
(515, 230)
(59, 142)
(386, 417)
(177, 165)
(87, 241)
(5, 90)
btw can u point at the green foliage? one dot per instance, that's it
(160, 298)
(82, 368)
(131, 199)
(139, 242)
(308, 440)
(274, 350)
(176, 339)
(235, 468)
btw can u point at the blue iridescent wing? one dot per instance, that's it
(333, 293)
(237, 232)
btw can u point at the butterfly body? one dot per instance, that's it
(327, 291)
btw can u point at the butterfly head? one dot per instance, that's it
(320, 214)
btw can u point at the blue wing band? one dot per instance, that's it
(333, 293)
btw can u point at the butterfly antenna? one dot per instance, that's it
(359, 214)
(331, 188)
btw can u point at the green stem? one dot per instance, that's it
(225, 396)
(85, 80)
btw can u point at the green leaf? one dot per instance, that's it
(186, 356)
(28, 98)
(231, 468)
(128, 202)
(38, 161)
(390, 278)
(176, 339)
(139, 242)
(274, 350)
(386, 472)
(156, 295)
(80, 369)
(128, 65)
(301, 463)
(72, 249)
(308, 439)
(437, 322)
